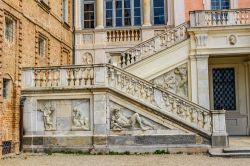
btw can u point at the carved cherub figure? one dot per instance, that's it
(48, 117)
(79, 121)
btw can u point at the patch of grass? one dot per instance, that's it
(161, 152)
(179, 153)
(127, 153)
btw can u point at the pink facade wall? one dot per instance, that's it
(191, 5)
(244, 4)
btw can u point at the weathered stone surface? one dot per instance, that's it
(151, 139)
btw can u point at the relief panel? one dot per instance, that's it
(64, 115)
(175, 80)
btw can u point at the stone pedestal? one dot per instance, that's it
(219, 133)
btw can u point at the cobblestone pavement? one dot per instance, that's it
(123, 160)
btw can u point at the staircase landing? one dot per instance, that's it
(238, 147)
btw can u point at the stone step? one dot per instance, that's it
(237, 150)
(219, 152)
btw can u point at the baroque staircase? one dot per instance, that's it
(154, 45)
(157, 102)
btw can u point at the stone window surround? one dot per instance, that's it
(13, 31)
(207, 4)
(82, 3)
(65, 11)
(45, 50)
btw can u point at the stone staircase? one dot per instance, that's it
(163, 103)
(154, 45)
(230, 152)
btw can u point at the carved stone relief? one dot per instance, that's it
(124, 119)
(48, 113)
(64, 115)
(87, 59)
(232, 39)
(78, 120)
(175, 80)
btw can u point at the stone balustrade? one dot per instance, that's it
(203, 18)
(160, 99)
(151, 46)
(123, 35)
(52, 77)
(108, 76)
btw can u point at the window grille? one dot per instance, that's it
(6, 147)
(224, 88)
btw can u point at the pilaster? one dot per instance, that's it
(202, 80)
(179, 12)
(146, 13)
(193, 75)
(100, 118)
(77, 14)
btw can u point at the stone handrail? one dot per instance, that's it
(203, 18)
(153, 45)
(109, 76)
(123, 35)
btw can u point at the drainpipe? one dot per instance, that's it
(22, 100)
(73, 27)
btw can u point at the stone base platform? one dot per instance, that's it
(186, 143)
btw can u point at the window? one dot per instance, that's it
(224, 88)
(109, 13)
(88, 14)
(9, 29)
(123, 13)
(220, 4)
(6, 84)
(159, 12)
(137, 12)
(65, 10)
(41, 46)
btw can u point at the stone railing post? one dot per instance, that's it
(63, 77)
(219, 133)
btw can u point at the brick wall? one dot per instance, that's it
(31, 19)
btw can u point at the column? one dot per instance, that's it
(146, 13)
(99, 14)
(170, 12)
(203, 81)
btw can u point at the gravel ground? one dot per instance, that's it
(123, 160)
